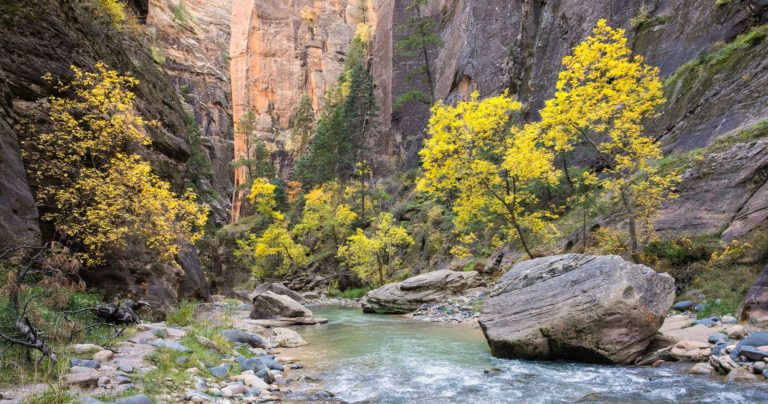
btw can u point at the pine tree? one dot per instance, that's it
(420, 35)
(256, 158)
(303, 124)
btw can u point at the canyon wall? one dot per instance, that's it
(191, 38)
(281, 51)
(182, 73)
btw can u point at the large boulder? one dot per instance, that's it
(755, 307)
(269, 305)
(408, 295)
(277, 288)
(585, 308)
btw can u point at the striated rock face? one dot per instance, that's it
(269, 305)
(18, 213)
(191, 38)
(408, 295)
(282, 50)
(576, 307)
(755, 306)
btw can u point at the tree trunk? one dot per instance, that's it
(632, 225)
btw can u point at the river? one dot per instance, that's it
(390, 359)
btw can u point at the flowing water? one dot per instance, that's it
(373, 358)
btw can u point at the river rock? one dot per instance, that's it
(85, 379)
(250, 364)
(287, 338)
(717, 338)
(683, 305)
(83, 349)
(85, 363)
(755, 339)
(736, 332)
(103, 356)
(741, 375)
(170, 344)
(701, 369)
(407, 296)
(242, 337)
(270, 305)
(221, 370)
(729, 320)
(576, 307)
(722, 364)
(753, 353)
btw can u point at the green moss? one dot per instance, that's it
(722, 3)
(712, 62)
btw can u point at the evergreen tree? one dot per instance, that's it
(303, 124)
(420, 35)
(345, 126)
(256, 158)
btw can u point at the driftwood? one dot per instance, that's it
(31, 339)
(124, 313)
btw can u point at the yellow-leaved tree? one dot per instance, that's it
(603, 95)
(273, 251)
(98, 196)
(488, 168)
(325, 219)
(377, 255)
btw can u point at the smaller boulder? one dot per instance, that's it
(242, 337)
(86, 379)
(86, 363)
(729, 320)
(753, 353)
(278, 289)
(270, 305)
(717, 338)
(287, 338)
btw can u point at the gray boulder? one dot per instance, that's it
(585, 308)
(279, 289)
(271, 305)
(408, 295)
(242, 337)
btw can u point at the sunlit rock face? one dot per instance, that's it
(190, 39)
(280, 51)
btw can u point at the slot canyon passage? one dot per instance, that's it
(395, 201)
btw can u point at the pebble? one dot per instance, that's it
(759, 366)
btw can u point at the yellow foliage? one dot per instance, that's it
(324, 218)
(105, 208)
(473, 156)
(262, 197)
(603, 95)
(376, 255)
(272, 253)
(90, 189)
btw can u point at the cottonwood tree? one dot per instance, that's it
(273, 251)
(377, 255)
(324, 218)
(99, 196)
(603, 95)
(488, 170)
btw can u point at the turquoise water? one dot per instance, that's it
(389, 359)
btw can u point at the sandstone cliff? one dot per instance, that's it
(282, 50)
